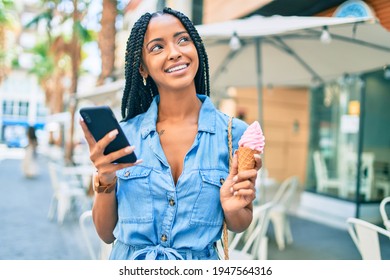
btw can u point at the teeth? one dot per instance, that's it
(177, 68)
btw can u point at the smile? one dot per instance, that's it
(176, 68)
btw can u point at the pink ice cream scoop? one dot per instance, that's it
(253, 138)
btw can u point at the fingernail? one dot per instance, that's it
(113, 133)
(128, 149)
(257, 156)
(235, 193)
(235, 178)
(231, 189)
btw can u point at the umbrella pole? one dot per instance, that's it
(259, 85)
(259, 81)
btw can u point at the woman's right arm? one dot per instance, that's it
(105, 209)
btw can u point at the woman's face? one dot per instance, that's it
(169, 55)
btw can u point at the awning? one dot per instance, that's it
(21, 122)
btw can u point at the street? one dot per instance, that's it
(25, 232)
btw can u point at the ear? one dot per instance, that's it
(143, 71)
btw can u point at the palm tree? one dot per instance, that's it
(106, 39)
(66, 55)
(6, 21)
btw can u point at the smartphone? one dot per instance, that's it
(100, 120)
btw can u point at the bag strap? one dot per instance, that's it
(230, 141)
(225, 234)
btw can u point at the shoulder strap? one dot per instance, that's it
(225, 230)
(230, 141)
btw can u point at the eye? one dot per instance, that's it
(156, 48)
(183, 40)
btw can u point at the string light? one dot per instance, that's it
(235, 42)
(325, 36)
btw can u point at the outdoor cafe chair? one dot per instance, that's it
(324, 182)
(252, 244)
(66, 194)
(382, 209)
(365, 235)
(97, 249)
(278, 214)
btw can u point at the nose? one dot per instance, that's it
(174, 52)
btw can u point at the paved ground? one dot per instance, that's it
(25, 231)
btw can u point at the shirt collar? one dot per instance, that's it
(206, 122)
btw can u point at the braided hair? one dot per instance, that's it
(137, 97)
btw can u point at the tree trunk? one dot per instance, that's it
(75, 60)
(106, 40)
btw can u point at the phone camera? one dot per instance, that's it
(86, 118)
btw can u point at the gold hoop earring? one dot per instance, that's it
(144, 81)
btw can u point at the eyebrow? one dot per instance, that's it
(160, 39)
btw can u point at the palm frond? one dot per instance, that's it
(46, 16)
(84, 34)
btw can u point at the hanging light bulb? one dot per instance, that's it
(235, 43)
(386, 72)
(325, 36)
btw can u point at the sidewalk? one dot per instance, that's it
(25, 232)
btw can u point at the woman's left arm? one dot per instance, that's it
(237, 195)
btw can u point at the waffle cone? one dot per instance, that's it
(246, 158)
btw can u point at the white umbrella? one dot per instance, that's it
(288, 51)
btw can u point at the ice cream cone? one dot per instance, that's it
(246, 158)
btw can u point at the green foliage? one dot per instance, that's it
(6, 5)
(43, 63)
(6, 9)
(45, 15)
(85, 35)
(15, 63)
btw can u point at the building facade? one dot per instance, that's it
(22, 105)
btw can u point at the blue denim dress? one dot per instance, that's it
(158, 219)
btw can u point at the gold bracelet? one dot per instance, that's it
(99, 188)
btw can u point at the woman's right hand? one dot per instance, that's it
(103, 163)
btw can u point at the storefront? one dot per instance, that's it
(349, 131)
(22, 104)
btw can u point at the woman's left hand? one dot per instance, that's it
(238, 191)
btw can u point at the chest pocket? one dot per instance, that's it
(207, 209)
(135, 202)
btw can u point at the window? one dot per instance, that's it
(8, 107)
(23, 108)
(350, 140)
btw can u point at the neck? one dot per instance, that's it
(178, 107)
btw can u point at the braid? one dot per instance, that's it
(134, 98)
(137, 97)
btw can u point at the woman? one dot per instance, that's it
(30, 163)
(172, 203)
